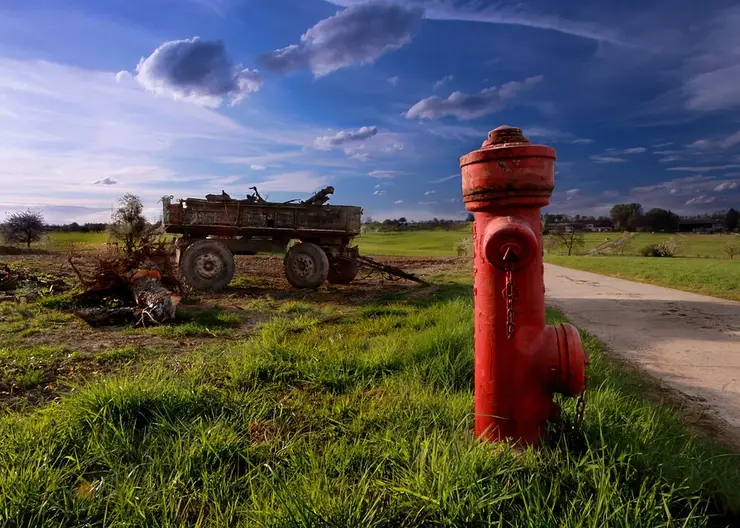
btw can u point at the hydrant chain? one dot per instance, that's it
(511, 295)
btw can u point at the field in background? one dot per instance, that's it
(437, 243)
(346, 406)
(689, 245)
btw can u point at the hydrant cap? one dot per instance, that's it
(507, 170)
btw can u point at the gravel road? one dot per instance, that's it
(690, 342)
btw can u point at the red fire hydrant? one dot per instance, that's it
(519, 361)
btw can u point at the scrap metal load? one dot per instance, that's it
(317, 238)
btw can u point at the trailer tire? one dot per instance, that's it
(306, 265)
(342, 271)
(207, 265)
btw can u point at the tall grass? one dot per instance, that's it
(361, 421)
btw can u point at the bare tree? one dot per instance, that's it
(732, 248)
(129, 225)
(571, 241)
(26, 227)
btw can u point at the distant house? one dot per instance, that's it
(600, 226)
(700, 225)
(593, 226)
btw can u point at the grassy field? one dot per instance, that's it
(320, 410)
(689, 245)
(411, 243)
(715, 277)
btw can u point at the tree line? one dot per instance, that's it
(631, 217)
(402, 224)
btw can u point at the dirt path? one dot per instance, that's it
(690, 342)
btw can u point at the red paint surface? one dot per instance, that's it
(505, 186)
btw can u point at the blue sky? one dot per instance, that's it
(378, 99)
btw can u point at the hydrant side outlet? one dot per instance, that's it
(519, 361)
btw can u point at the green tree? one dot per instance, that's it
(129, 225)
(661, 220)
(25, 227)
(626, 217)
(732, 219)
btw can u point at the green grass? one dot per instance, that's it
(689, 245)
(715, 277)
(359, 420)
(436, 243)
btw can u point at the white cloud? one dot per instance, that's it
(703, 169)
(358, 154)
(470, 106)
(379, 192)
(510, 14)
(446, 178)
(700, 200)
(258, 167)
(607, 159)
(195, 70)
(106, 181)
(443, 81)
(398, 202)
(344, 136)
(726, 186)
(354, 36)
(384, 174)
(583, 141)
(426, 203)
(635, 150)
(393, 81)
(429, 192)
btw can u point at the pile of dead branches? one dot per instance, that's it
(141, 286)
(18, 283)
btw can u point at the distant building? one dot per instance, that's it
(593, 226)
(600, 226)
(700, 225)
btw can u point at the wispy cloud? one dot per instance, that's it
(727, 186)
(512, 14)
(384, 174)
(359, 34)
(703, 169)
(635, 150)
(443, 81)
(398, 202)
(344, 136)
(429, 192)
(606, 159)
(393, 81)
(446, 178)
(470, 106)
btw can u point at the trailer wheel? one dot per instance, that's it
(207, 265)
(342, 271)
(306, 265)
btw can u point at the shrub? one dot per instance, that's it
(464, 247)
(666, 248)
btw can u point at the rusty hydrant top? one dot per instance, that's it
(526, 179)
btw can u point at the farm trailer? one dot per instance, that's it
(217, 228)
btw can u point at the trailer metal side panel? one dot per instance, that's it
(239, 217)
